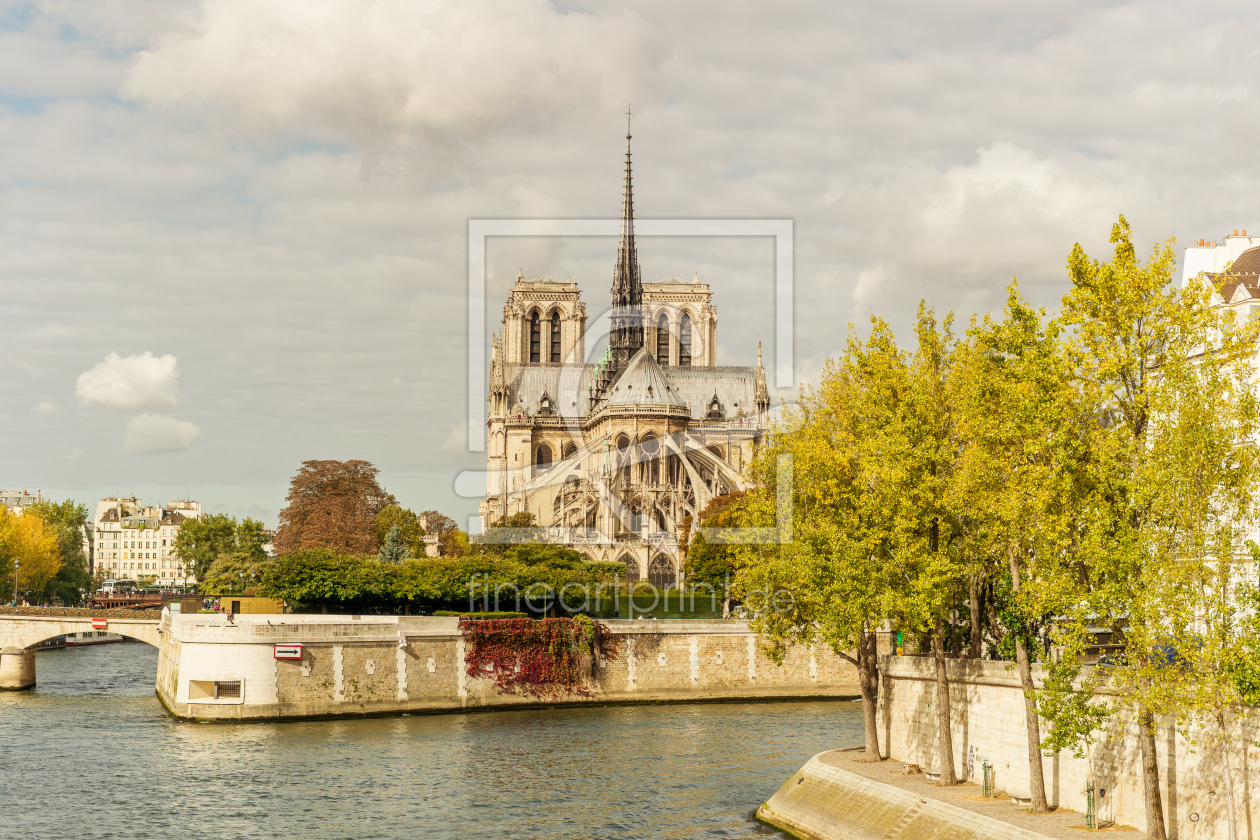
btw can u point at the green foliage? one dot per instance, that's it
(506, 532)
(713, 563)
(67, 520)
(321, 576)
(200, 541)
(1075, 714)
(236, 573)
(410, 534)
(392, 550)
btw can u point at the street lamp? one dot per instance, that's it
(16, 564)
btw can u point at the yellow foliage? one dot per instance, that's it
(29, 542)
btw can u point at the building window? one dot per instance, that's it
(662, 340)
(555, 338)
(535, 339)
(684, 342)
(542, 461)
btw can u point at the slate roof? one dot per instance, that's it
(568, 386)
(643, 382)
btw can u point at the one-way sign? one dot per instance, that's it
(287, 651)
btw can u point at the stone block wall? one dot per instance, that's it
(987, 721)
(384, 664)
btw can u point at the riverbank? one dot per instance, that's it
(837, 796)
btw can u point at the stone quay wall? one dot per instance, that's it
(209, 668)
(987, 718)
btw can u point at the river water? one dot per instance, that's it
(90, 753)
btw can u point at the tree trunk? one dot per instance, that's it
(976, 648)
(1150, 777)
(1032, 725)
(944, 734)
(868, 678)
(1229, 778)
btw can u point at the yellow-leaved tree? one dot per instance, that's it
(29, 553)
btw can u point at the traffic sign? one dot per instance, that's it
(287, 651)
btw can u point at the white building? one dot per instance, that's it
(1213, 256)
(133, 540)
(15, 500)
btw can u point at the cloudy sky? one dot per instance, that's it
(233, 233)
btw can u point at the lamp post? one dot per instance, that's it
(16, 564)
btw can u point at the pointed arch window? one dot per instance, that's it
(684, 342)
(535, 339)
(555, 338)
(542, 460)
(662, 340)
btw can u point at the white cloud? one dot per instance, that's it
(363, 66)
(139, 381)
(152, 433)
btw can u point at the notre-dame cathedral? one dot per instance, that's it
(611, 457)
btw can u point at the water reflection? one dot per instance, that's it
(96, 751)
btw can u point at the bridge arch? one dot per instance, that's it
(21, 632)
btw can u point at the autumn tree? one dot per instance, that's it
(1020, 433)
(452, 542)
(67, 519)
(1138, 339)
(30, 555)
(333, 504)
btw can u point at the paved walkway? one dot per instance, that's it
(1062, 823)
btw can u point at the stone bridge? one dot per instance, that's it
(21, 628)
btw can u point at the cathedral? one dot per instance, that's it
(611, 457)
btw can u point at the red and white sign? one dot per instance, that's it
(287, 651)
(99, 623)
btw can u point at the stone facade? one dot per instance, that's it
(610, 457)
(987, 716)
(383, 665)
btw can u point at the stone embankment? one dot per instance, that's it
(295, 666)
(835, 796)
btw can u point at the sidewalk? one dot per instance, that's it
(1061, 824)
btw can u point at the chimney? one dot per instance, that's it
(1235, 231)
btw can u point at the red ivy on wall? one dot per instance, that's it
(544, 658)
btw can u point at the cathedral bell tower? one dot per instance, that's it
(626, 338)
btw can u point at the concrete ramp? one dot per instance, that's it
(822, 802)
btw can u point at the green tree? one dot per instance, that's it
(321, 576)
(234, 573)
(200, 541)
(249, 538)
(410, 534)
(67, 519)
(1137, 339)
(392, 550)
(713, 564)
(1019, 430)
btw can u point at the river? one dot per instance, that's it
(90, 753)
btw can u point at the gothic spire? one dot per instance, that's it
(627, 289)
